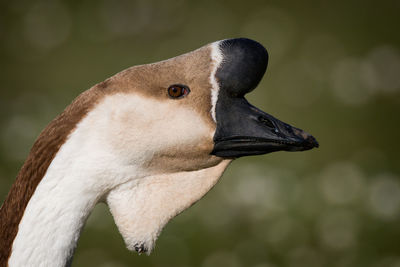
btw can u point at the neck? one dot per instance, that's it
(35, 168)
(56, 212)
(79, 175)
(53, 219)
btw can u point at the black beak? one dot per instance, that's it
(242, 129)
(245, 130)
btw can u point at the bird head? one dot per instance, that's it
(190, 112)
(179, 122)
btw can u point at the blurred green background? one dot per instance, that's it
(334, 71)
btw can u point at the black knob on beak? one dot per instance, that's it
(244, 64)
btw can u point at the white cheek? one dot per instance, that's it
(135, 123)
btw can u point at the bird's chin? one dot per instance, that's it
(142, 242)
(141, 247)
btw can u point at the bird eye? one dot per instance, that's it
(178, 91)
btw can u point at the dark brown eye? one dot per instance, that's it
(178, 91)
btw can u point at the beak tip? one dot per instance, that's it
(307, 140)
(311, 142)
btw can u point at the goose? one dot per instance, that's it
(149, 142)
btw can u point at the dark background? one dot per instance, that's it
(334, 71)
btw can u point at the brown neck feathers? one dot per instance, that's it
(42, 153)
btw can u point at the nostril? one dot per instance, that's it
(266, 122)
(289, 128)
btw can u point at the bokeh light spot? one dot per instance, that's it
(384, 196)
(353, 81)
(385, 61)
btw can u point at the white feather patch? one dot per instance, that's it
(217, 58)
